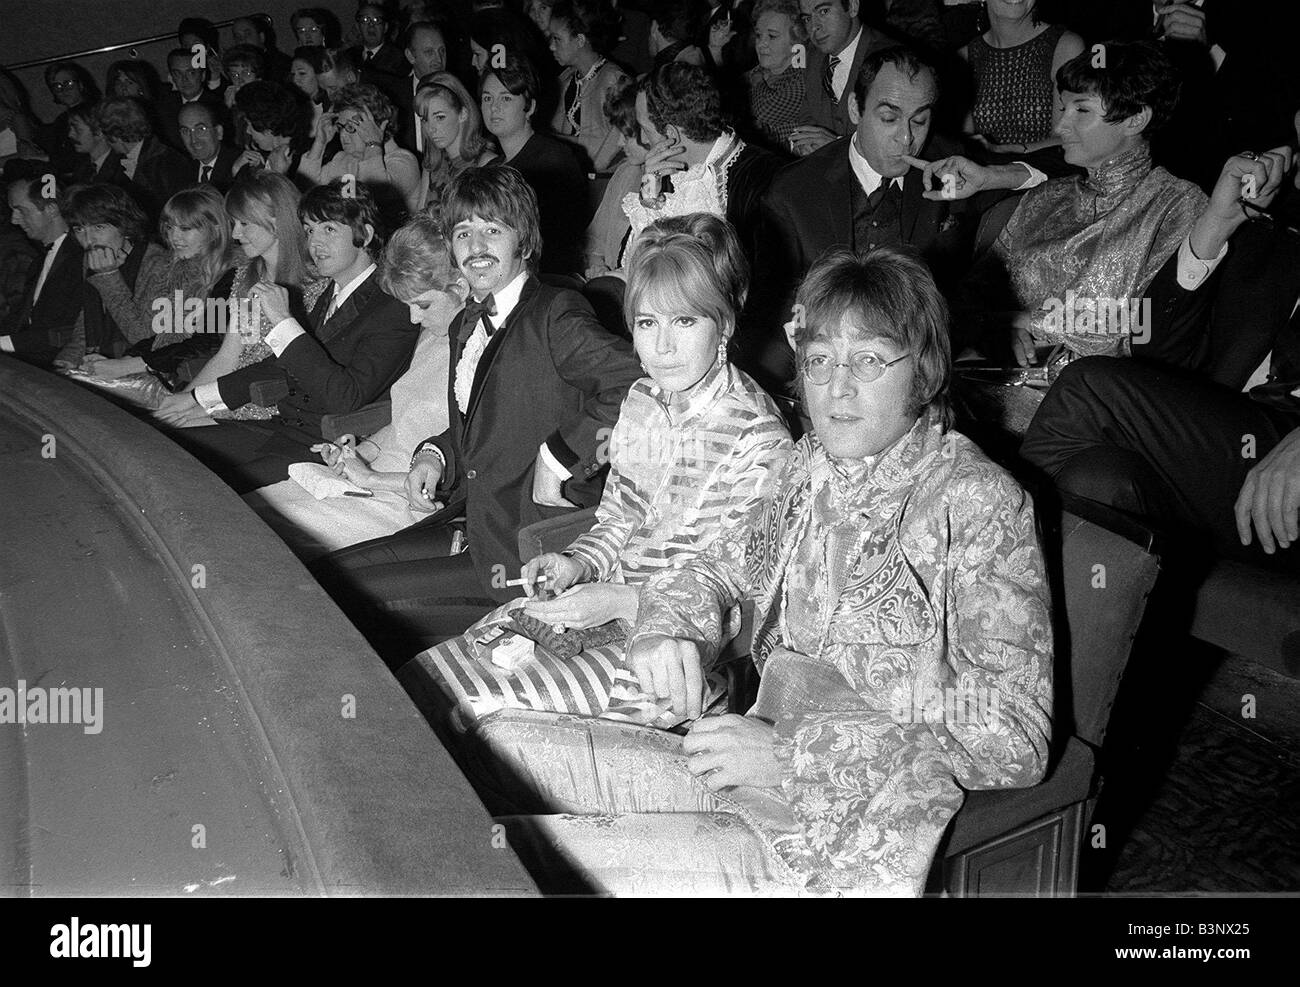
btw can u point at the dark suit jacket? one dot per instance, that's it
(222, 177)
(109, 173)
(563, 200)
(818, 108)
(160, 173)
(39, 330)
(336, 367)
(389, 61)
(809, 210)
(517, 403)
(403, 96)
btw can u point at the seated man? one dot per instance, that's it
(379, 58)
(189, 74)
(42, 320)
(525, 442)
(840, 44)
(426, 52)
(864, 192)
(154, 171)
(347, 354)
(1201, 456)
(201, 134)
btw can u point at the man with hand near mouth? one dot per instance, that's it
(345, 355)
(536, 386)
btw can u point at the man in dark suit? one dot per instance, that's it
(840, 42)
(863, 192)
(1217, 457)
(44, 319)
(153, 170)
(357, 341)
(189, 74)
(425, 51)
(379, 58)
(535, 383)
(201, 134)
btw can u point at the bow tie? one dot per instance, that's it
(479, 310)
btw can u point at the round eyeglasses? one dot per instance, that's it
(865, 367)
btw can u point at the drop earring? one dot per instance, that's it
(722, 352)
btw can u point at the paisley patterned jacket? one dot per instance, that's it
(912, 663)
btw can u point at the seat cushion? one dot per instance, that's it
(988, 814)
(1251, 611)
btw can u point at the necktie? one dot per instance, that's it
(333, 305)
(45, 272)
(474, 311)
(828, 77)
(205, 173)
(878, 196)
(369, 56)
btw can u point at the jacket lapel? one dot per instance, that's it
(347, 312)
(494, 347)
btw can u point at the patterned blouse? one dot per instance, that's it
(1014, 89)
(681, 474)
(902, 628)
(776, 104)
(255, 349)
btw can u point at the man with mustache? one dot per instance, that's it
(536, 386)
(345, 355)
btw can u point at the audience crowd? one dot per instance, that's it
(770, 312)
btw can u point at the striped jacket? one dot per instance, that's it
(680, 475)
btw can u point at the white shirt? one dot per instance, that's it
(132, 158)
(867, 176)
(840, 77)
(419, 124)
(279, 338)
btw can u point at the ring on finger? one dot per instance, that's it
(1252, 155)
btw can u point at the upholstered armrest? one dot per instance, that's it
(554, 534)
(267, 392)
(362, 422)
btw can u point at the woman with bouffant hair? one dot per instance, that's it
(697, 447)
(416, 268)
(454, 138)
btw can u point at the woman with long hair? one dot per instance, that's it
(263, 208)
(166, 316)
(454, 138)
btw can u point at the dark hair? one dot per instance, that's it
(680, 20)
(263, 25)
(685, 96)
(88, 88)
(87, 205)
(517, 75)
(246, 55)
(313, 55)
(324, 19)
(1132, 75)
(33, 183)
(889, 294)
(201, 26)
(619, 107)
(597, 19)
(184, 53)
(88, 113)
(905, 59)
(124, 118)
(363, 96)
(341, 61)
(144, 74)
(347, 203)
(502, 27)
(274, 109)
(498, 193)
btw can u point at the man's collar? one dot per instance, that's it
(54, 245)
(212, 163)
(867, 176)
(508, 297)
(341, 293)
(850, 49)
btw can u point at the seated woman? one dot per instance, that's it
(509, 95)
(1012, 66)
(133, 78)
(607, 235)
(901, 626)
(454, 138)
(775, 84)
(263, 208)
(697, 445)
(277, 127)
(165, 315)
(418, 269)
(304, 74)
(582, 33)
(362, 117)
(1088, 242)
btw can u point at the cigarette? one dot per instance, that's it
(358, 493)
(524, 582)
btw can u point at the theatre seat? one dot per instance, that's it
(1027, 841)
(1252, 612)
